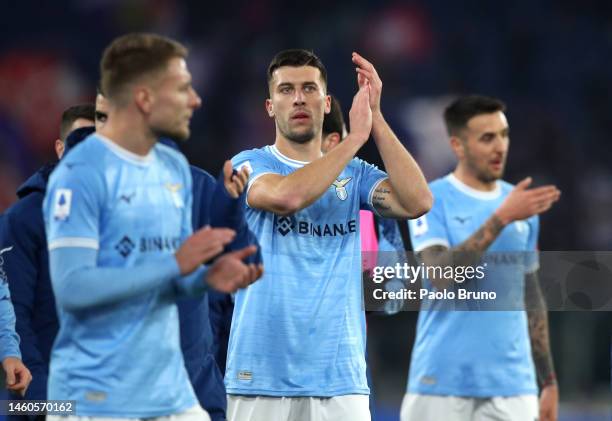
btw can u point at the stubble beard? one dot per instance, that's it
(301, 138)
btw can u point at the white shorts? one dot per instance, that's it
(455, 408)
(269, 408)
(195, 413)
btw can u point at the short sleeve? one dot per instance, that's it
(371, 176)
(430, 229)
(72, 206)
(258, 163)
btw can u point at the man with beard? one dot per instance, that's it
(121, 247)
(479, 365)
(297, 343)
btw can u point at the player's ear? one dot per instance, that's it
(59, 148)
(143, 97)
(327, 104)
(458, 146)
(269, 107)
(334, 139)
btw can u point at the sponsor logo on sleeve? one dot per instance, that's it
(62, 203)
(419, 226)
(246, 164)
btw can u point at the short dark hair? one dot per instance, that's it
(461, 110)
(296, 58)
(131, 56)
(72, 114)
(334, 121)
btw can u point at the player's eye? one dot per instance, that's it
(101, 117)
(310, 88)
(285, 89)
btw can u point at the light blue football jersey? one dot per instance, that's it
(300, 330)
(121, 359)
(475, 353)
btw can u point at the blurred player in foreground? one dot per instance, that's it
(216, 203)
(27, 266)
(297, 345)
(478, 365)
(118, 219)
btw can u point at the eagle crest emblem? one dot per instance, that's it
(340, 186)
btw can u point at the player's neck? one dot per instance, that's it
(306, 152)
(470, 180)
(129, 134)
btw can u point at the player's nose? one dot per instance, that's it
(196, 101)
(299, 97)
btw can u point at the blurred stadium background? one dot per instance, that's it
(550, 61)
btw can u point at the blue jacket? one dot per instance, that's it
(9, 340)
(27, 270)
(211, 206)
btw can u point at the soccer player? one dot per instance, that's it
(18, 376)
(27, 265)
(469, 365)
(118, 219)
(297, 344)
(216, 203)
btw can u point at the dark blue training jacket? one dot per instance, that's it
(27, 270)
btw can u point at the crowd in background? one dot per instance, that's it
(551, 62)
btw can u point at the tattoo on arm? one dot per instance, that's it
(537, 317)
(471, 250)
(380, 200)
(467, 253)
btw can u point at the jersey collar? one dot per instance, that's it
(285, 159)
(125, 154)
(470, 191)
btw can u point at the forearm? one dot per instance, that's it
(293, 192)
(78, 283)
(537, 317)
(405, 176)
(468, 253)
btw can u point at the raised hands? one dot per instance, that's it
(360, 114)
(523, 203)
(367, 76)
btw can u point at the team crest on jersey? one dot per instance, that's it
(175, 188)
(340, 186)
(62, 204)
(521, 226)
